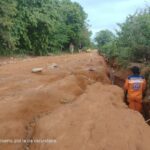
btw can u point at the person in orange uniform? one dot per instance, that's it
(135, 86)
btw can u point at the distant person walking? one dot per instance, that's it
(71, 48)
(134, 87)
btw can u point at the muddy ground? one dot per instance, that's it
(70, 105)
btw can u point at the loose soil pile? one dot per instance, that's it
(73, 104)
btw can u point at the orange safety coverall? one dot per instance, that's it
(135, 86)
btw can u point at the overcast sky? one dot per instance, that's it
(105, 14)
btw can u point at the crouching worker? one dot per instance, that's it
(134, 87)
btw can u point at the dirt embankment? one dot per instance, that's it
(73, 104)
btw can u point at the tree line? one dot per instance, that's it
(39, 27)
(131, 42)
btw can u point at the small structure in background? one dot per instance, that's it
(88, 50)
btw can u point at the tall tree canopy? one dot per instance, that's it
(41, 26)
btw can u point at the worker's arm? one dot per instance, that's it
(126, 85)
(144, 88)
(126, 97)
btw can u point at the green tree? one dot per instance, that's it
(132, 42)
(134, 35)
(7, 39)
(104, 37)
(38, 23)
(75, 23)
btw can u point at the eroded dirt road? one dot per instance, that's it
(73, 104)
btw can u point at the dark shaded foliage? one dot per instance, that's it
(39, 27)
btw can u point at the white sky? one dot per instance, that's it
(105, 14)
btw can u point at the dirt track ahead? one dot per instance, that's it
(72, 104)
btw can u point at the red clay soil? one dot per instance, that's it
(73, 104)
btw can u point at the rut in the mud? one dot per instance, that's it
(83, 78)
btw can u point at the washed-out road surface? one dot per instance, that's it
(70, 105)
